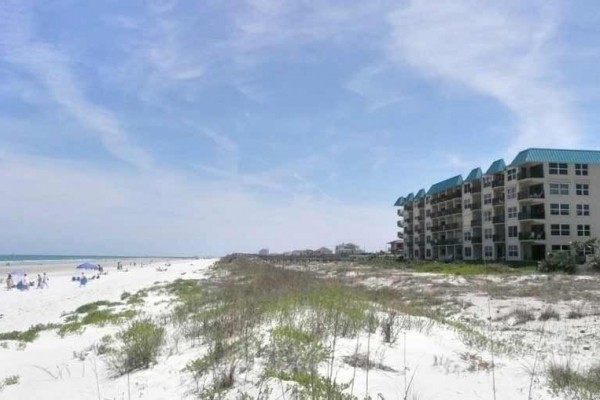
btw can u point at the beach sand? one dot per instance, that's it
(47, 367)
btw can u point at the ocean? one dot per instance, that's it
(49, 258)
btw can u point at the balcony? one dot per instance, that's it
(476, 239)
(532, 215)
(527, 194)
(498, 238)
(400, 224)
(400, 212)
(498, 201)
(475, 222)
(532, 236)
(445, 227)
(446, 242)
(400, 235)
(476, 206)
(475, 190)
(498, 219)
(409, 232)
(497, 183)
(532, 174)
(408, 221)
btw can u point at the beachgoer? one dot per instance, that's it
(45, 280)
(9, 282)
(25, 282)
(39, 281)
(83, 280)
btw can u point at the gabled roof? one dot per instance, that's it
(556, 155)
(443, 185)
(410, 197)
(420, 194)
(400, 202)
(473, 175)
(496, 167)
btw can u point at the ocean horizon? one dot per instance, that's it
(4, 258)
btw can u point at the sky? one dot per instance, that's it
(167, 127)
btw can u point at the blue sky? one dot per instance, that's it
(204, 127)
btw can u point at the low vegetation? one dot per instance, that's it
(140, 345)
(9, 380)
(576, 384)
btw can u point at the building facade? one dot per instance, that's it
(541, 202)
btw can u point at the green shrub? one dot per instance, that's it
(558, 261)
(29, 335)
(141, 344)
(578, 385)
(90, 307)
(549, 313)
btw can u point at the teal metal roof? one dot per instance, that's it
(556, 155)
(447, 184)
(420, 194)
(410, 197)
(474, 175)
(496, 167)
(400, 202)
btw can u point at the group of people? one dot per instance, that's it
(24, 283)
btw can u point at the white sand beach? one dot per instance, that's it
(46, 367)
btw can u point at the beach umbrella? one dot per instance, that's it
(87, 265)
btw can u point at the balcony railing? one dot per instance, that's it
(530, 175)
(445, 227)
(400, 213)
(526, 194)
(475, 222)
(446, 242)
(476, 190)
(409, 232)
(498, 219)
(498, 183)
(525, 236)
(498, 201)
(532, 215)
(476, 239)
(498, 238)
(400, 235)
(476, 206)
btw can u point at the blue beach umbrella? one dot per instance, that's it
(88, 265)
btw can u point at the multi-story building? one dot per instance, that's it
(541, 202)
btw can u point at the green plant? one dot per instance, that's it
(558, 261)
(549, 313)
(141, 343)
(90, 307)
(578, 385)
(29, 335)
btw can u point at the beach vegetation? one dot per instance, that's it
(29, 335)
(91, 307)
(140, 345)
(564, 379)
(9, 380)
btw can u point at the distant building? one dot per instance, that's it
(324, 251)
(397, 246)
(263, 252)
(347, 249)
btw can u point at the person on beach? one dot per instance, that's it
(83, 280)
(45, 280)
(39, 281)
(9, 282)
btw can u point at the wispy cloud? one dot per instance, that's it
(499, 49)
(51, 68)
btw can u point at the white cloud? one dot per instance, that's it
(102, 211)
(499, 49)
(51, 68)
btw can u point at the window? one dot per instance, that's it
(428, 252)
(513, 250)
(487, 216)
(558, 169)
(513, 231)
(467, 235)
(511, 193)
(560, 247)
(428, 239)
(559, 188)
(583, 230)
(488, 251)
(513, 212)
(583, 210)
(559, 230)
(487, 181)
(488, 234)
(487, 198)
(468, 252)
(581, 169)
(511, 175)
(559, 209)
(467, 188)
(582, 189)
(467, 204)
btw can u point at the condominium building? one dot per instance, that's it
(541, 202)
